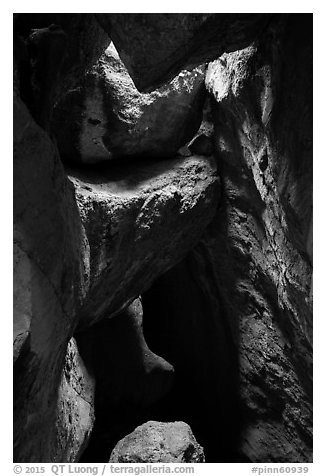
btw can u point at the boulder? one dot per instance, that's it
(106, 117)
(157, 46)
(156, 442)
(140, 220)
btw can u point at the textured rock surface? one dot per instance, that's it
(106, 117)
(75, 408)
(49, 280)
(156, 442)
(258, 242)
(140, 221)
(155, 47)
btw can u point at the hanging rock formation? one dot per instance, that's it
(106, 117)
(126, 369)
(156, 442)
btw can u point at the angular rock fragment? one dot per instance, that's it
(106, 117)
(156, 442)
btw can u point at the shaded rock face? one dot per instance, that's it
(105, 117)
(258, 241)
(75, 407)
(156, 442)
(73, 264)
(52, 51)
(155, 47)
(50, 278)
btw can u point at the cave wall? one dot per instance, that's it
(258, 241)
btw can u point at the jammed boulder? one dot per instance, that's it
(140, 220)
(155, 47)
(107, 117)
(259, 242)
(75, 407)
(156, 442)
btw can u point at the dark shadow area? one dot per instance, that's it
(132, 171)
(184, 326)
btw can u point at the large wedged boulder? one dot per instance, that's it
(260, 241)
(140, 220)
(156, 442)
(157, 46)
(106, 117)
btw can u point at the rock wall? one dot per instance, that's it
(50, 279)
(262, 106)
